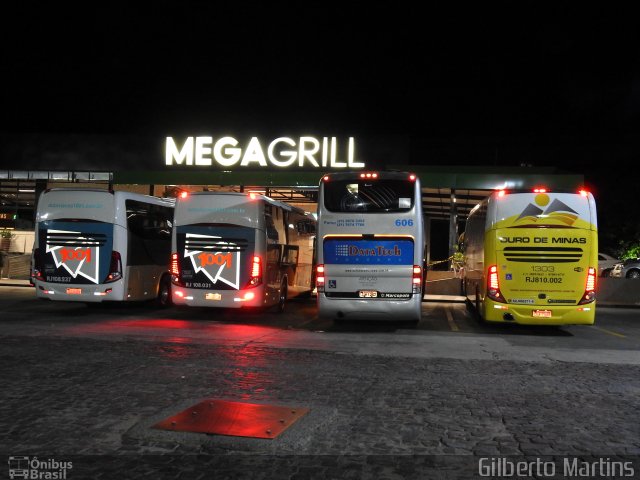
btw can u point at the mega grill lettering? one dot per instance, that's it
(281, 152)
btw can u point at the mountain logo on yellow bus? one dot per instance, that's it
(555, 212)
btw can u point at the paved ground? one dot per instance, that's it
(387, 401)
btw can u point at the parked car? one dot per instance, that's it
(606, 264)
(628, 269)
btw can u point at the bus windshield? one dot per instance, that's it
(384, 195)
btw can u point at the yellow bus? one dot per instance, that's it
(532, 257)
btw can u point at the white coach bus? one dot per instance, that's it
(99, 245)
(370, 246)
(235, 250)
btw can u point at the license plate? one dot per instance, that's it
(542, 313)
(368, 294)
(74, 291)
(213, 296)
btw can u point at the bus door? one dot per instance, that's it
(364, 266)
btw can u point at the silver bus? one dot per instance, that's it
(370, 246)
(237, 250)
(99, 245)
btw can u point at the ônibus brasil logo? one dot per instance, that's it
(220, 261)
(35, 468)
(78, 261)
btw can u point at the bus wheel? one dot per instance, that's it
(164, 292)
(478, 311)
(283, 297)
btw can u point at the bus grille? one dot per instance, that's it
(217, 245)
(76, 240)
(543, 254)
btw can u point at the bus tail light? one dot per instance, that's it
(255, 278)
(36, 272)
(115, 268)
(590, 288)
(417, 279)
(320, 278)
(583, 192)
(174, 269)
(540, 190)
(493, 285)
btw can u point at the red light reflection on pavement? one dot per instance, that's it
(235, 419)
(159, 327)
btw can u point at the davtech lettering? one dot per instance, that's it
(375, 252)
(282, 152)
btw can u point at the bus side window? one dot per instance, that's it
(272, 232)
(290, 255)
(149, 233)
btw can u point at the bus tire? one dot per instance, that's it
(164, 292)
(283, 296)
(477, 305)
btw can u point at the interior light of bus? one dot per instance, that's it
(493, 285)
(583, 192)
(115, 268)
(256, 272)
(590, 287)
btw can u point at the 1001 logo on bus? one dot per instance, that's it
(67, 254)
(206, 258)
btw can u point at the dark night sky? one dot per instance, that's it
(557, 79)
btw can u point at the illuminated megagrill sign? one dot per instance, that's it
(282, 152)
